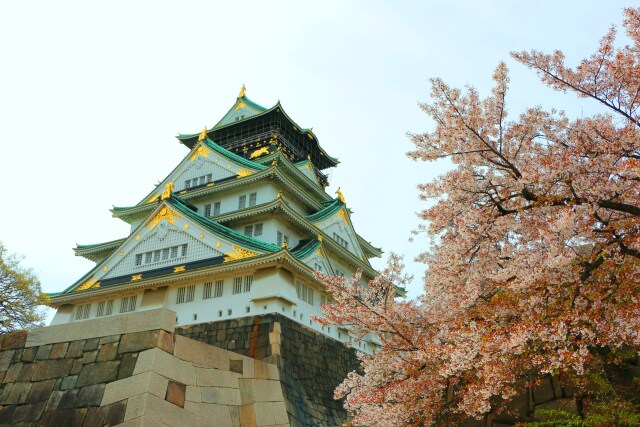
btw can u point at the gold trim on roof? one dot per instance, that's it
(90, 283)
(242, 91)
(203, 134)
(164, 214)
(200, 151)
(243, 173)
(343, 214)
(179, 268)
(238, 254)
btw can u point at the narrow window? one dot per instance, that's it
(100, 311)
(184, 250)
(257, 230)
(165, 254)
(219, 313)
(209, 177)
(82, 312)
(191, 290)
(156, 256)
(128, 304)
(207, 210)
(248, 280)
(174, 252)
(248, 309)
(253, 197)
(139, 259)
(109, 308)
(216, 208)
(279, 238)
(242, 202)
(147, 257)
(219, 288)
(206, 293)
(229, 311)
(187, 184)
(237, 285)
(248, 230)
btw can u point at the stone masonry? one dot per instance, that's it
(132, 370)
(310, 364)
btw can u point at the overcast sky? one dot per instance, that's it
(92, 96)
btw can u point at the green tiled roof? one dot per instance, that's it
(306, 249)
(220, 229)
(331, 207)
(233, 156)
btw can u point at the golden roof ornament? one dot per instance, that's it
(320, 238)
(279, 196)
(285, 245)
(166, 194)
(340, 195)
(242, 91)
(203, 134)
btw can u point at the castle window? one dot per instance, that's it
(340, 240)
(161, 255)
(187, 184)
(128, 304)
(238, 282)
(282, 238)
(237, 285)
(253, 197)
(207, 210)
(216, 208)
(253, 230)
(242, 202)
(304, 292)
(318, 267)
(82, 311)
(211, 292)
(105, 308)
(185, 294)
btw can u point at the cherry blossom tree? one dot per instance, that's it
(534, 261)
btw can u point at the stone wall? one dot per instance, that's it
(132, 370)
(310, 364)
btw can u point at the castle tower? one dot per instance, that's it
(237, 229)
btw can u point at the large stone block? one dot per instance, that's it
(5, 359)
(15, 393)
(107, 352)
(109, 415)
(264, 414)
(90, 396)
(40, 391)
(210, 414)
(44, 351)
(167, 365)
(200, 353)
(96, 328)
(127, 365)
(14, 340)
(154, 408)
(146, 382)
(26, 413)
(59, 350)
(75, 348)
(100, 372)
(248, 416)
(267, 390)
(139, 341)
(12, 373)
(67, 418)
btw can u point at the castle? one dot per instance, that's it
(203, 314)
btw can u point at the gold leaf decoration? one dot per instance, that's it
(238, 254)
(200, 151)
(243, 173)
(164, 214)
(259, 152)
(90, 283)
(343, 214)
(136, 277)
(179, 268)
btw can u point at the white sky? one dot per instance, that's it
(92, 95)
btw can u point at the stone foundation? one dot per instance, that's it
(310, 364)
(132, 370)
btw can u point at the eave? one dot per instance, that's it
(280, 205)
(98, 251)
(283, 257)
